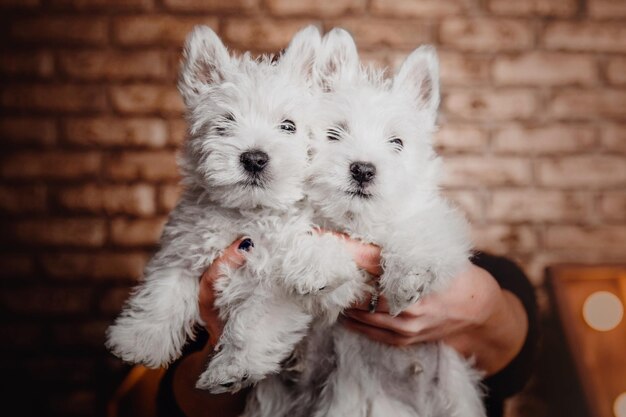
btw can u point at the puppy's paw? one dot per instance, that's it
(403, 291)
(224, 374)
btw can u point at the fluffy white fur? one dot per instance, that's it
(237, 105)
(386, 124)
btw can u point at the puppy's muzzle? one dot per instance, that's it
(254, 161)
(362, 172)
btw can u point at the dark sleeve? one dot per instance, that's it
(166, 402)
(514, 376)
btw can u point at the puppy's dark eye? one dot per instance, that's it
(397, 143)
(224, 123)
(288, 126)
(333, 134)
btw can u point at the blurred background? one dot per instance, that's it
(533, 134)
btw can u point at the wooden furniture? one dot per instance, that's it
(136, 396)
(599, 355)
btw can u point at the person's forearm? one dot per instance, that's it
(500, 338)
(194, 402)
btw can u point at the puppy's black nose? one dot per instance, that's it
(362, 172)
(254, 161)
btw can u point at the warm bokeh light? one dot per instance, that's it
(619, 406)
(603, 311)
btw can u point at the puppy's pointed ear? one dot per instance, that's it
(338, 59)
(205, 62)
(419, 77)
(301, 53)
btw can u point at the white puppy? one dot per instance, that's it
(244, 165)
(374, 177)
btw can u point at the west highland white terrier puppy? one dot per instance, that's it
(244, 166)
(374, 177)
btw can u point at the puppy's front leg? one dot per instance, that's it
(158, 318)
(262, 326)
(403, 282)
(322, 272)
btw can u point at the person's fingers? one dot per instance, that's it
(381, 306)
(233, 256)
(365, 255)
(399, 325)
(377, 334)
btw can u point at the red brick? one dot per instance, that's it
(597, 171)
(57, 29)
(141, 232)
(19, 4)
(113, 300)
(545, 68)
(59, 232)
(114, 65)
(150, 166)
(137, 199)
(613, 205)
(376, 33)
(458, 69)
(50, 165)
(488, 35)
(15, 266)
(260, 34)
(588, 104)
(475, 171)
(99, 266)
(614, 137)
(178, 131)
(108, 131)
(72, 335)
(53, 368)
(322, 8)
(419, 8)
(609, 239)
(504, 239)
(610, 9)
(21, 336)
(145, 98)
(32, 63)
(55, 98)
(469, 202)
(456, 138)
(616, 70)
(108, 5)
(46, 300)
(23, 199)
(559, 8)
(551, 139)
(28, 131)
(537, 206)
(162, 30)
(375, 58)
(239, 6)
(488, 105)
(168, 197)
(586, 36)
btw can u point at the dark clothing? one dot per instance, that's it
(514, 376)
(505, 383)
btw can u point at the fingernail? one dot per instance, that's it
(246, 244)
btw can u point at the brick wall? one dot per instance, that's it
(533, 133)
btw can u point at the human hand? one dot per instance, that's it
(450, 315)
(233, 256)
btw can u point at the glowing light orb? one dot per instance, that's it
(603, 311)
(619, 406)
